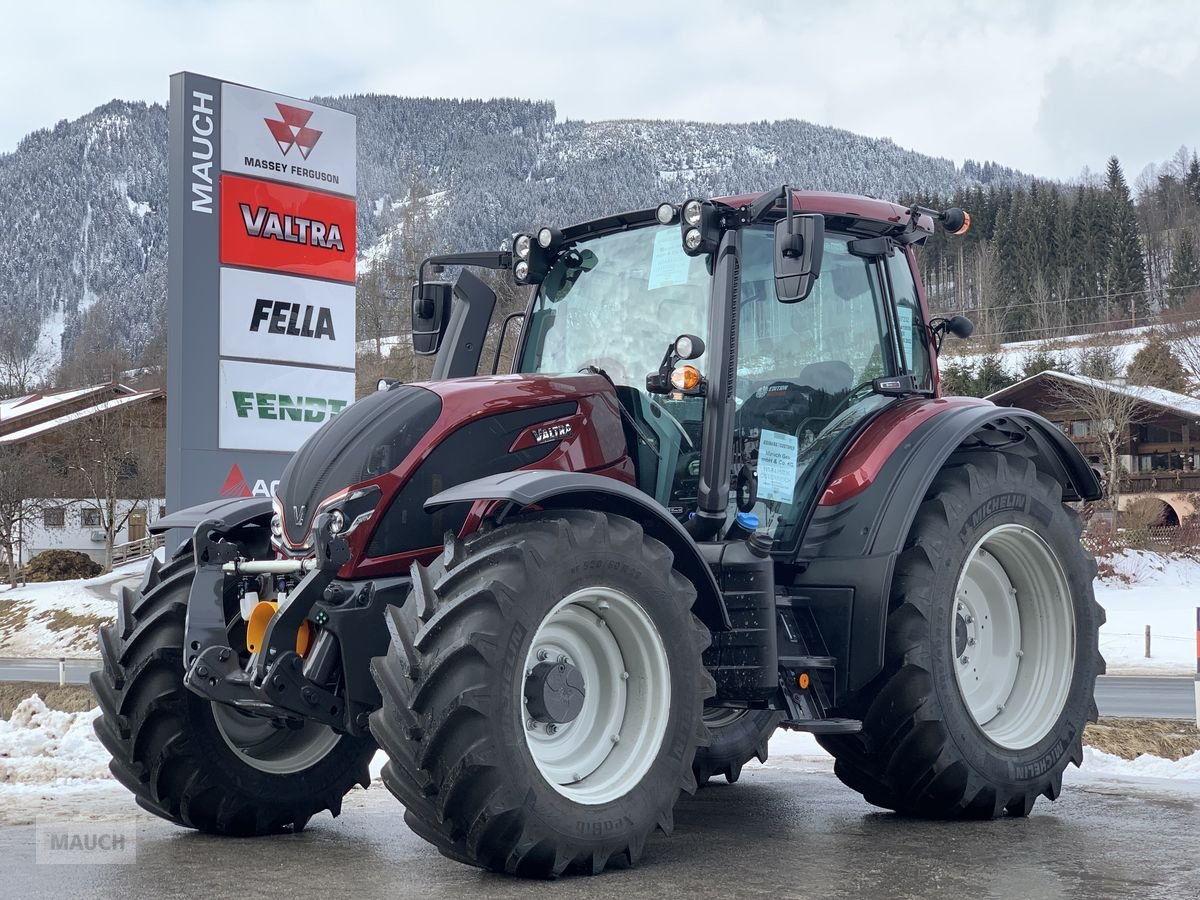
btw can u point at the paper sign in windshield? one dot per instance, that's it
(906, 333)
(670, 264)
(777, 466)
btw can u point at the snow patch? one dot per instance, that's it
(41, 745)
(1164, 593)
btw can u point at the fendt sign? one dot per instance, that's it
(261, 283)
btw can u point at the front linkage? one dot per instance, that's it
(278, 681)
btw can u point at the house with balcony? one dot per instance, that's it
(1158, 440)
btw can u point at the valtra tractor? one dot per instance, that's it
(718, 495)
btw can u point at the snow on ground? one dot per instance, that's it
(1124, 344)
(42, 745)
(1162, 592)
(60, 618)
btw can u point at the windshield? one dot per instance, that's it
(804, 369)
(616, 303)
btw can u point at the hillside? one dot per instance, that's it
(87, 198)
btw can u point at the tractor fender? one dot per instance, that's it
(862, 521)
(555, 489)
(224, 514)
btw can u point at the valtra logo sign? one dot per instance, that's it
(291, 129)
(286, 229)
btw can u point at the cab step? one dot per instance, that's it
(824, 726)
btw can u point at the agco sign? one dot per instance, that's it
(236, 485)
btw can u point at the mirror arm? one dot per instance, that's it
(500, 259)
(765, 202)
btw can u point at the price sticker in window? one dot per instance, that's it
(777, 466)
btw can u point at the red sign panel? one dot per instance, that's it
(286, 229)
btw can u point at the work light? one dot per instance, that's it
(522, 245)
(665, 214)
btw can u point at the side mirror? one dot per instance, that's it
(960, 326)
(799, 246)
(430, 316)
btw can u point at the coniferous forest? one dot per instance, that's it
(83, 286)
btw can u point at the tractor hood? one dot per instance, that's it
(365, 441)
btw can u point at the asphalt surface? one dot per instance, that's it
(779, 832)
(1146, 697)
(1133, 696)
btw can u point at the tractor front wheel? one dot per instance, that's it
(201, 764)
(543, 695)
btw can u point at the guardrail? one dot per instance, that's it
(62, 669)
(131, 551)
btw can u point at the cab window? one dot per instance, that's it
(913, 337)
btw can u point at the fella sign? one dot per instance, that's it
(261, 282)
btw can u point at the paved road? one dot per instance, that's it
(1116, 695)
(779, 832)
(1147, 697)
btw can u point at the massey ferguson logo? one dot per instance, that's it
(291, 129)
(263, 222)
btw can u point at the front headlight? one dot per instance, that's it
(521, 246)
(691, 212)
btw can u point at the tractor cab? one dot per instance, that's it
(801, 316)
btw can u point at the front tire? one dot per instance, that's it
(200, 764)
(991, 652)
(543, 695)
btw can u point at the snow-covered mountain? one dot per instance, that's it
(85, 201)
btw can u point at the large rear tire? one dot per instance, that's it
(199, 764)
(736, 736)
(991, 653)
(543, 695)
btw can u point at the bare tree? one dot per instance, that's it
(987, 281)
(23, 476)
(1182, 331)
(23, 362)
(119, 456)
(1111, 409)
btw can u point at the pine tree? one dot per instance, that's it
(1184, 277)
(1126, 272)
(1155, 365)
(957, 379)
(1192, 179)
(1099, 362)
(991, 376)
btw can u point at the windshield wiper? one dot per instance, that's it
(566, 271)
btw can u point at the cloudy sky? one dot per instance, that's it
(1048, 87)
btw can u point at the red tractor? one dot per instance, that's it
(719, 495)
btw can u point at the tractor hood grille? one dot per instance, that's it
(370, 437)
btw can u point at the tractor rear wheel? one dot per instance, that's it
(991, 652)
(736, 736)
(200, 764)
(543, 695)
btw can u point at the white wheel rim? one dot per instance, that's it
(1012, 636)
(606, 750)
(270, 747)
